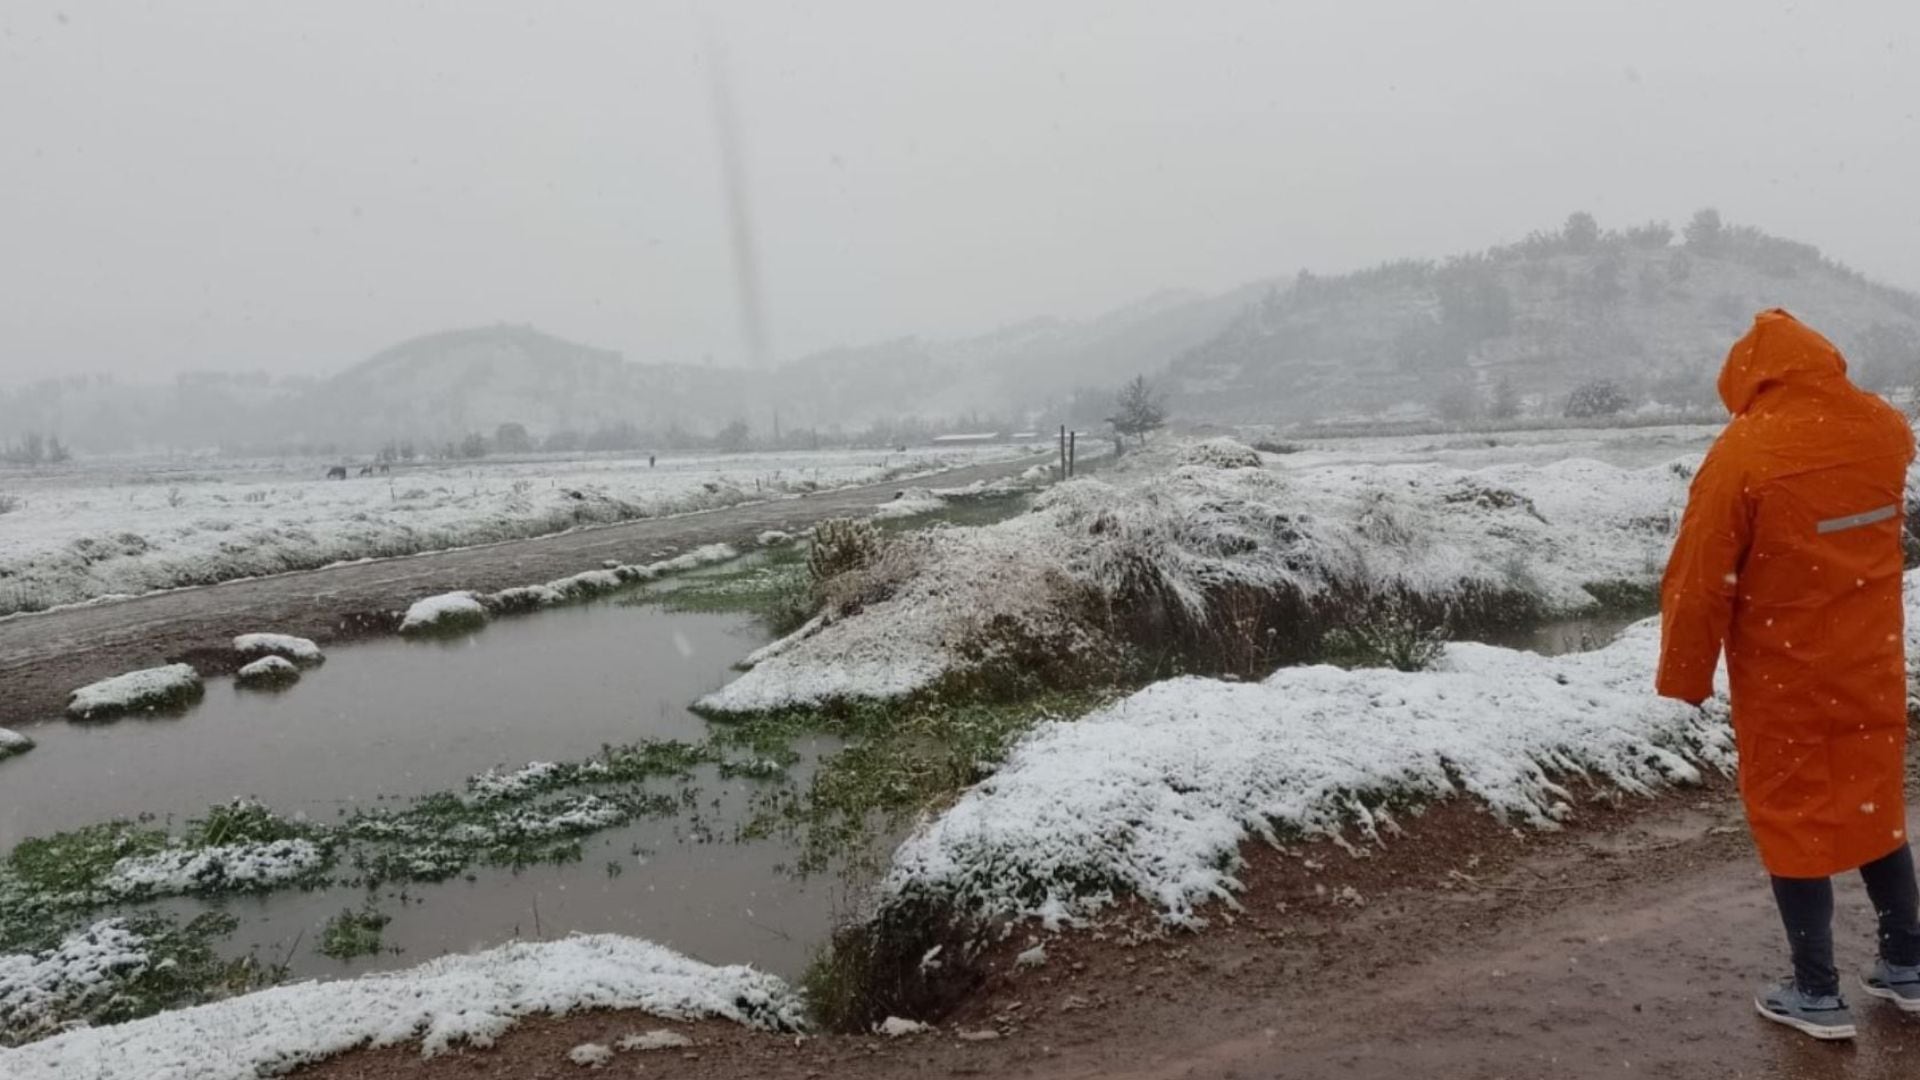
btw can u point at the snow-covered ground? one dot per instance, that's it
(444, 1003)
(12, 742)
(1155, 794)
(1176, 524)
(114, 528)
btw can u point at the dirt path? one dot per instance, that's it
(44, 657)
(1627, 948)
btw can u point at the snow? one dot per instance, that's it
(1155, 794)
(470, 999)
(971, 596)
(134, 691)
(774, 538)
(593, 583)
(12, 742)
(86, 968)
(268, 669)
(590, 1055)
(445, 611)
(215, 868)
(297, 649)
(908, 504)
(661, 1039)
(894, 1027)
(125, 527)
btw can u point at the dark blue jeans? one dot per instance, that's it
(1806, 907)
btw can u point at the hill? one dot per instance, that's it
(1521, 326)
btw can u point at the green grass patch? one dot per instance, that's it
(352, 934)
(899, 761)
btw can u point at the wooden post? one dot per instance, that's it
(1073, 451)
(1063, 451)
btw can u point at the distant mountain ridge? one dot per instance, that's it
(1515, 327)
(1648, 310)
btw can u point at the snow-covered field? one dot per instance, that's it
(76, 533)
(1186, 520)
(449, 1002)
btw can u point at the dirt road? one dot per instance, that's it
(43, 657)
(1626, 948)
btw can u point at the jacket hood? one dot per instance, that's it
(1779, 350)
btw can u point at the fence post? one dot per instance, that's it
(1073, 451)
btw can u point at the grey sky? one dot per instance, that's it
(292, 186)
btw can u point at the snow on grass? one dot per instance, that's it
(78, 975)
(1177, 535)
(125, 528)
(444, 1003)
(1155, 794)
(242, 867)
(444, 614)
(774, 538)
(658, 1039)
(137, 691)
(12, 742)
(268, 671)
(297, 649)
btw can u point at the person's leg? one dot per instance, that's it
(1896, 898)
(1806, 908)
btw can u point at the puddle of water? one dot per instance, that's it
(1557, 637)
(393, 718)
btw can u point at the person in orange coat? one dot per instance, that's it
(1789, 559)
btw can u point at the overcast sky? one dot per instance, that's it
(292, 186)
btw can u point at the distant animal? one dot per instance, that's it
(650, 460)
(338, 472)
(385, 469)
(366, 470)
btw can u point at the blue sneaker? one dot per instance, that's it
(1900, 985)
(1823, 1017)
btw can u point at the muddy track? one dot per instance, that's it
(1625, 947)
(44, 657)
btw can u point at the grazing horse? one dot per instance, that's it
(338, 472)
(385, 469)
(366, 470)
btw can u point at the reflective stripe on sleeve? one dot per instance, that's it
(1855, 521)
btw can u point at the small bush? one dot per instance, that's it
(1390, 634)
(913, 958)
(842, 546)
(9, 503)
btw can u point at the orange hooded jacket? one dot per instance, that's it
(1789, 556)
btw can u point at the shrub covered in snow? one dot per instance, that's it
(591, 1055)
(1237, 569)
(297, 649)
(150, 690)
(448, 613)
(444, 1003)
(268, 671)
(1154, 795)
(841, 546)
(1221, 453)
(12, 742)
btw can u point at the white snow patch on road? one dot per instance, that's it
(135, 691)
(297, 649)
(661, 1039)
(1155, 794)
(454, 1000)
(444, 611)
